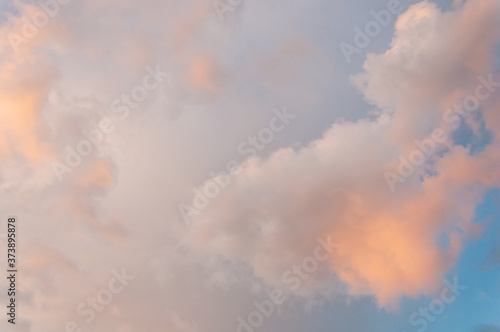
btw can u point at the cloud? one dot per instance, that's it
(317, 179)
(434, 59)
(273, 210)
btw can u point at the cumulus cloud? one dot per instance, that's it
(273, 210)
(434, 61)
(119, 207)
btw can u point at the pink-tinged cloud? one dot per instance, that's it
(390, 244)
(119, 206)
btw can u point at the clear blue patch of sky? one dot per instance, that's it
(6, 7)
(479, 304)
(465, 136)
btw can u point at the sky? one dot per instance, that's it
(232, 165)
